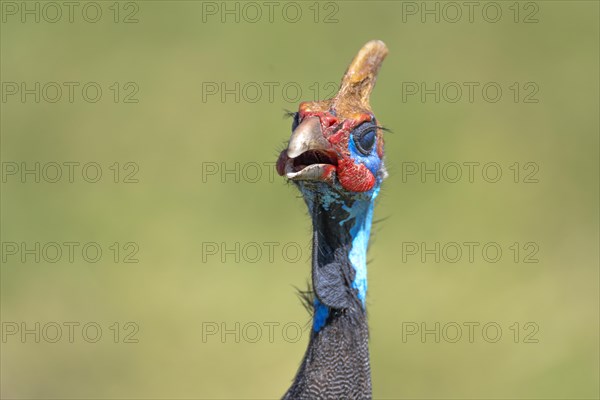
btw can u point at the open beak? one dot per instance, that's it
(309, 156)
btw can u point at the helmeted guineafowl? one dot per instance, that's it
(335, 158)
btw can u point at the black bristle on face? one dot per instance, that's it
(307, 298)
(295, 116)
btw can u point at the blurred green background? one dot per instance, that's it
(177, 133)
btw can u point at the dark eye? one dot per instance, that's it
(296, 121)
(365, 139)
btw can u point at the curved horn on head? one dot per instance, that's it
(360, 77)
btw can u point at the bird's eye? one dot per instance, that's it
(365, 140)
(296, 121)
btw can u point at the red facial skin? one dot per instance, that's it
(353, 176)
(280, 165)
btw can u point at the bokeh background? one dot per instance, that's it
(177, 133)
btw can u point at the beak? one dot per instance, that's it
(309, 155)
(307, 136)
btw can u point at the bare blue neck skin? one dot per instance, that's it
(341, 231)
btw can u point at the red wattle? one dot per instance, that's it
(355, 177)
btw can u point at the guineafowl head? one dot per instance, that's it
(335, 158)
(337, 142)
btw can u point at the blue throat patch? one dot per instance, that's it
(362, 212)
(321, 315)
(359, 213)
